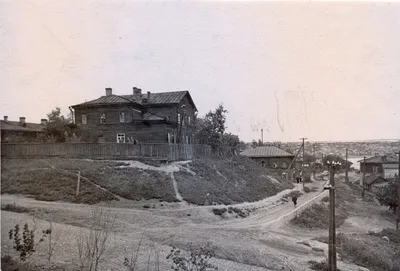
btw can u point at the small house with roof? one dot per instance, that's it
(376, 164)
(165, 117)
(21, 131)
(270, 156)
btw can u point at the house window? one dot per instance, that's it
(121, 117)
(263, 163)
(179, 118)
(120, 138)
(84, 119)
(375, 169)
(189, 120)
(186, 139)
(103, 118)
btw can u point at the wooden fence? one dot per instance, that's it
(167, 152)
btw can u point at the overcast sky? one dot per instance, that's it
(326, 71)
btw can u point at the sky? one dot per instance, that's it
(322, 70)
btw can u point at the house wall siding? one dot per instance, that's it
(269, 161)
(370, 166)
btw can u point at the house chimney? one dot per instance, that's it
(148, 96)
(384, 158)
(137, 94)
(108, 91)
(22, 120)
(5, 118)
(43, 122)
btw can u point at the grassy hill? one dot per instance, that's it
(203, 181)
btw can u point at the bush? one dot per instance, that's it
(307, 189)
(392, 234)
(325, 199)
(219, 211)
(198, 259)
(319, 266)
(15, 208)
(292, 194)
(26, 244)
(369, 252)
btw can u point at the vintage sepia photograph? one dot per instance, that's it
(200, 135)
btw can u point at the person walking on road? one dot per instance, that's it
(294, 199)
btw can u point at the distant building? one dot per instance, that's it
(165, 117)
(270, 156)
(375, 164)
(21, 131)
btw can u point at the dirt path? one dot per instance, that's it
(262, 241)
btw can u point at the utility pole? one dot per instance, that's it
(262, 136)
(302, 160)
(332, 221)
(347, 168)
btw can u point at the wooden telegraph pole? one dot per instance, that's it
(302, 164)
(332, 220)
(262, 136)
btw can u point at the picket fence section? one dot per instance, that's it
(168, 152)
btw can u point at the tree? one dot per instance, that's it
(210, 129)
(255, 143)
(389, 197)
(59, 128)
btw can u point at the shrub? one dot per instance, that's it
(307, 189)
(26, 244)
(91, 247)
(15, 208)
(325, 199)
(219, 211)
(319, 266)
(196, 261)
(374, 254)
(292, 194)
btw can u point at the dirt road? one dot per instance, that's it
(262, 241)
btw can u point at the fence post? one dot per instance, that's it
(78, 183)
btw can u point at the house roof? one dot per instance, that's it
(373, 178)
(110, 99)
(172, 97)
(380, 160)
(16, 126)
(266, 151)
(149, 116)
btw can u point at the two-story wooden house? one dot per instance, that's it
(166, 117)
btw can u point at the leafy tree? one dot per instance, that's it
(389, 197)
(211, 128)
(59, 128)
(255, 143)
